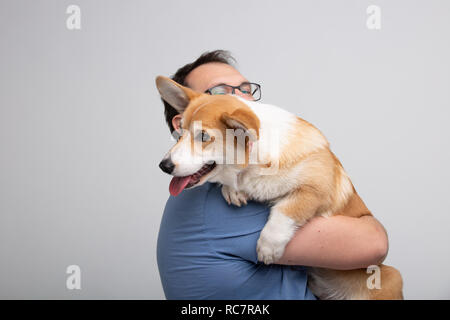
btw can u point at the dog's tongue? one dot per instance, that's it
(178, 184)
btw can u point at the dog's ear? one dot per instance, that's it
(248, 122)
(242, 119)
(176, 95)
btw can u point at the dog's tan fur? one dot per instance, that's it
(321, 188)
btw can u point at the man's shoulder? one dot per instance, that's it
(207, 201)
(210, 197)
(221, 215)
(216, 202)
(189, 200)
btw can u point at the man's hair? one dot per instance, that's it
(221, 56)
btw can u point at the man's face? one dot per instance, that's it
(209, 75)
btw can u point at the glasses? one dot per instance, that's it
(252, 90)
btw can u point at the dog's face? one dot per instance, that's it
(215, 131)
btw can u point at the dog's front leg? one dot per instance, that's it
(233, 196)
(274, 237)
(285, 217)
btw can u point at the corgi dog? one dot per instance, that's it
(284, 160)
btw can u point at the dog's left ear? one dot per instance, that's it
(175, 94)
(242, 119)
(248, 122)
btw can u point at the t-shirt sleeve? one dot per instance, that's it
(233, 231)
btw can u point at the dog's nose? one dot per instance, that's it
(167, 165)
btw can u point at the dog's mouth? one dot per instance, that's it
(178, 184)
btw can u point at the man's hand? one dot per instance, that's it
(338, 242)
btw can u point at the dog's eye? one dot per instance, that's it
(202, 136)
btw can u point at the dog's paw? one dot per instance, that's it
(274, 237)
(234, 197)
(269, 247)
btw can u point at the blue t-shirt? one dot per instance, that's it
(207, 250)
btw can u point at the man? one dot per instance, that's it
(207, 248)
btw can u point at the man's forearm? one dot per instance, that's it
(338, 242)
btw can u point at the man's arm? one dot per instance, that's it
(338, 242)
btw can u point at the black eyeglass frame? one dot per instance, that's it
(233, 88)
